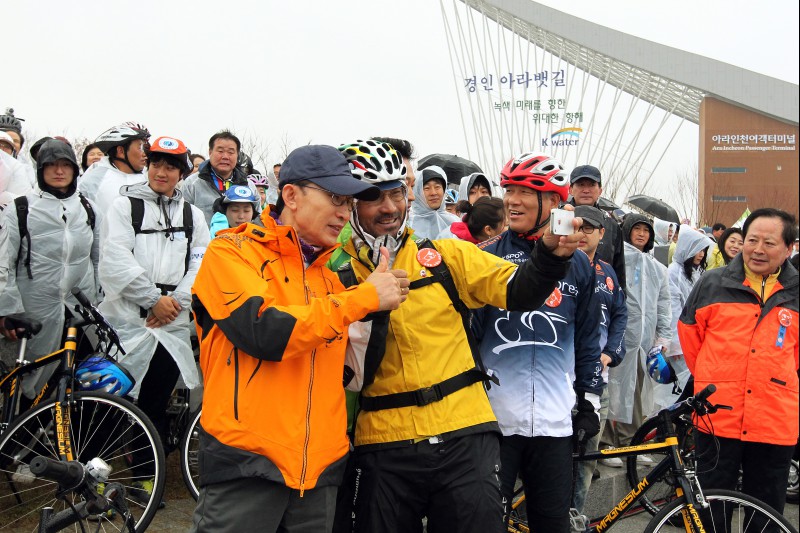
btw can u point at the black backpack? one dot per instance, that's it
(21, 203)
(137, 216)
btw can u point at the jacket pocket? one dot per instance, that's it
(235, 354)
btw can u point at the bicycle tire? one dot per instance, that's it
(661, 491)
(102, 425)
(190, 463)
(748, 514)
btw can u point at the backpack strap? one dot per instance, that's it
(137, 217)
(137, 214)
(424, 396)
(21, 203)
(376, 345)
(90, 218)
(188, 229)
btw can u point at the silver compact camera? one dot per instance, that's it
(561, 222)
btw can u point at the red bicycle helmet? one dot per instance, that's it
(536, 171)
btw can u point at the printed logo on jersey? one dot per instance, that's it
(545, 332)
(554, 300)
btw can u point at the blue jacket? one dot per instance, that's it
(614, 312)
(542, 357)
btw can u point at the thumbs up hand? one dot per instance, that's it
(392, 285)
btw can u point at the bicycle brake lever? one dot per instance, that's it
(715, 408)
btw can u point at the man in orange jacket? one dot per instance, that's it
(273, 324)
(739, 331)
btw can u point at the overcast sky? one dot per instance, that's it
(301, 70)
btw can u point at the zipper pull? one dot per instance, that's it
(302, 489)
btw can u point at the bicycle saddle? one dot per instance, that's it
(31, 327)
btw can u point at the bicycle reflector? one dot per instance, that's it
(98, 373)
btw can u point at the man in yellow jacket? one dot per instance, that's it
(426, 439)
(273, 325)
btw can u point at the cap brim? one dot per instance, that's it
(591, 177)
(348, 186)
(389, 185)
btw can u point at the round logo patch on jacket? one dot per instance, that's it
(429, 258)
(785, 317)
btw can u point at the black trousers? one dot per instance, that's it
(765, 467)
(154, 395)
(454, 483)
(545, 466)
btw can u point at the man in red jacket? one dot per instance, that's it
(739, 331)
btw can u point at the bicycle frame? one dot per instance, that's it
(66, 355)
(672, 464)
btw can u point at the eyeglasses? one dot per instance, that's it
(336, 199)
(396, 195)
(588, 229)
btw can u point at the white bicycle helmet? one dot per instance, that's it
(121, 135)
(258, 180)
(374, 162)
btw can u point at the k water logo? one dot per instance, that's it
(563, 137)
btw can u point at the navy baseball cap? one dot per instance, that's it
(585, 171)
(327, 167)
(590, 215)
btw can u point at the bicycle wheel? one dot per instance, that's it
(101, 425)
(190, 448)
(728, 511)
(662, 491)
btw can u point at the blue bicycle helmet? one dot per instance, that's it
(99, 373)
(240, 194)
(450, 197)
(660, 369)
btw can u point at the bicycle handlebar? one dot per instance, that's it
(66, 473)
(703, 395)
(92, 315)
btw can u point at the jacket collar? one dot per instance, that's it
(734, 273)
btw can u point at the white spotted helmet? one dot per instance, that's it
(374, 162)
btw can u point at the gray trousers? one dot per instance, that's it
(253, 504)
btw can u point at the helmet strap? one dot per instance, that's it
(124, 158)
(539, 222)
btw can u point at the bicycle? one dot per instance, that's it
(183, 435)
(663, 490)
(692, 510)
(190, 450)
(106, 437)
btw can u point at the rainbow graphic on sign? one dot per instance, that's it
(571, 132)
(563, 137)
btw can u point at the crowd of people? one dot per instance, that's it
(381, 344)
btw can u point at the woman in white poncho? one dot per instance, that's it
(59, 251)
